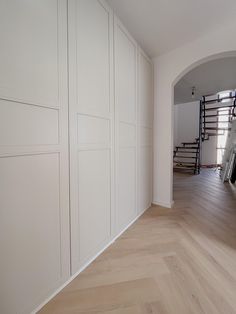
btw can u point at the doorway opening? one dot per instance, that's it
(204, 110)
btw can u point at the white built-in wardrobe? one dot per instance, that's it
(76, 111)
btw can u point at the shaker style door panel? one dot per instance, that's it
(91, 128)
(34, 196)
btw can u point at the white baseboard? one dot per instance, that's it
(85, 265)
(164, 204)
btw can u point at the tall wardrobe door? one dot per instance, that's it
(126, 125)
(91, 124)
(34, 203)
(145, 124)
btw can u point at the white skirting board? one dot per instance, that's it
(87, 264)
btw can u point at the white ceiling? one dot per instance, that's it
(162, 25)
(208, 78)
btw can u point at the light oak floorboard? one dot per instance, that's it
(171, 261)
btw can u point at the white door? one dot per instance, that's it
(91, 125)
(34, 213)
(125, 51)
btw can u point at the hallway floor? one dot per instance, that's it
(177, 261)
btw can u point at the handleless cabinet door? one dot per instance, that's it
(91, 125)
(34, 197)
(125, 52)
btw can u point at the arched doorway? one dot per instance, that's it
(206, 81)
(208, 76)
(169, 69)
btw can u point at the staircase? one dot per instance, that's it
(187, 157)
(215, 114)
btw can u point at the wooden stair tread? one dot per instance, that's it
(186, 152)
(216, 129)
(184, 162)
(216, 108)
(187, 157)
(217, 122)
(217, 115)
(187, 147)
(214, 134)
(184, 167)
(218, 100)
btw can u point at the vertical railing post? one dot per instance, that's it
(204, 116)
(200, 137)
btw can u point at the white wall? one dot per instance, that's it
(145, 131)
(168, 69)
(209, 151)
(186, 122)
(110, 113)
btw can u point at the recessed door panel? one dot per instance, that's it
(28, 27)
(125, 57)
(126, 204)
(93, 60)
(94, 195)
(126, 125)
(25, 124)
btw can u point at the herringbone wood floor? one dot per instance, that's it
(178, 261)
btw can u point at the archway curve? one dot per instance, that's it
(195, 64)
(201, 61)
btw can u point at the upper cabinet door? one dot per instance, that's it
(125, 74)
(145, 90)
(125, 125)
(34, 197)
(93, 58)
(29, 51)
(91, 127)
